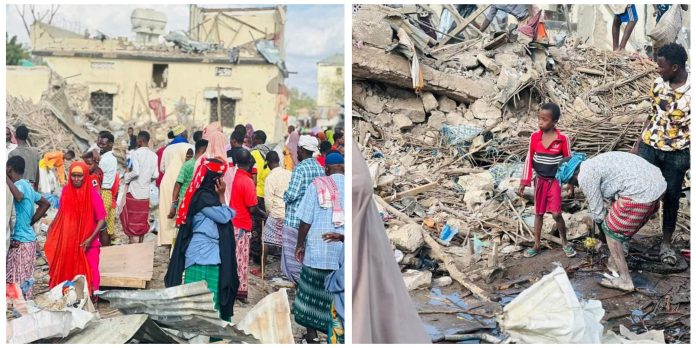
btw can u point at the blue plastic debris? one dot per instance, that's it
(448, 232)
(377, 154)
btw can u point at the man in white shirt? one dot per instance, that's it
(109, 165)
(135, 216)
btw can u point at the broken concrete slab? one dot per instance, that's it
(416, 279)
(372, 63)
(373, 104)
(455, 118)
(436, 119)
(480, 181)
(509, 60)
(488, 63)
(407, 238)
(369, 26)
(446, 104)
(484, 110)
(409, 107)
(402, 121)
(429, 101)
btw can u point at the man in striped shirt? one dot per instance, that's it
(547, 148)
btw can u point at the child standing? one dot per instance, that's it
(547, 148)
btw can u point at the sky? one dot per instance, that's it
(306, 41)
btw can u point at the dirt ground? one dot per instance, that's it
(661, 301)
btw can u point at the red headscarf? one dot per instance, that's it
(73, 224)
(198, 176)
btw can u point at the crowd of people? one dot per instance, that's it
(224, 202)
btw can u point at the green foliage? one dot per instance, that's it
(299, 100)
(15, 52)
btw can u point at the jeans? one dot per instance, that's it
(673, 165)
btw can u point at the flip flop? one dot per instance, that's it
(569, 251)
(611, 284)
(668, 256)
(531, 252)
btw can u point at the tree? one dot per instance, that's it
(14, 51)
(299, 100)
(36, 15)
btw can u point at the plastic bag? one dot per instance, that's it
(667, 30)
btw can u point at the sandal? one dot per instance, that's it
(612, 283)
(668, 256)
(531, 252)
(569, 251)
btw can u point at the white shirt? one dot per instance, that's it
(144, 171)
(109, 165)
(276, 184)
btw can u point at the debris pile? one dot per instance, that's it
(445, 131)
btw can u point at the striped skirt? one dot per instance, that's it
(626, 217)
(312, 306)
(273, 231)
(242, 262)
(288, 263)
(211, 275)
(20, 264)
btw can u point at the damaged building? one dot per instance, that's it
(228, 67)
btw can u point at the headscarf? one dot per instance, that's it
(309, 143)
(207, 169)
(249, 131)
(72, 225)
(293, 140)
(216, 149)
(228, 278)
(334, 158)
(321, 136)
(567, 169)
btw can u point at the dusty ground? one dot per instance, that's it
(257, 288)
(661, 301)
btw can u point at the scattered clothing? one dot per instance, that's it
(615, 175)
(668, 129)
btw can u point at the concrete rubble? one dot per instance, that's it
(461, 157)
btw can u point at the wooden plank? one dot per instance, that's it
(122, 283)
(129, 265)
(417, 190)
(461, 26)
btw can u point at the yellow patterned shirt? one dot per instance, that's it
(669, 123)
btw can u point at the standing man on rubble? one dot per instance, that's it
(135, 216)
(665, 141)
(109, 166)
(30, 155)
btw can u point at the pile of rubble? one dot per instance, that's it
(64, 120)
(445, 131)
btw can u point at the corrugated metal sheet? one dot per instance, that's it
(122, 329)
(269, 320)
(188, 308)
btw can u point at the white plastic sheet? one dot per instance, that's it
(550, 312)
